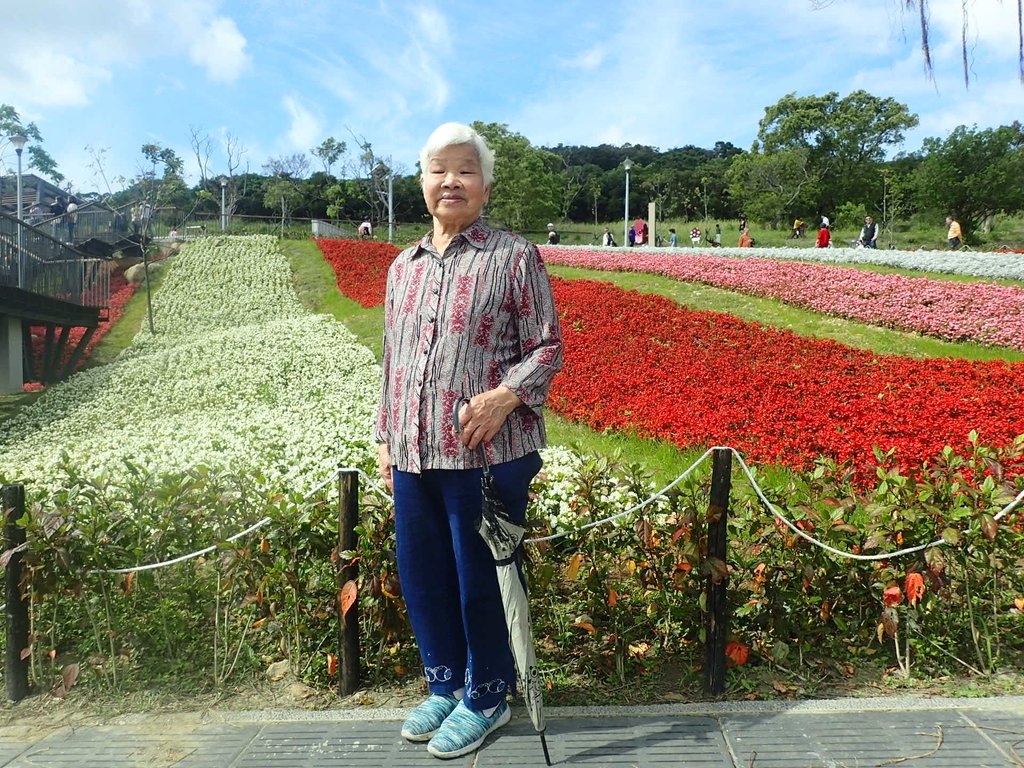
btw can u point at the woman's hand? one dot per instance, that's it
(484, 415)
(384, 466)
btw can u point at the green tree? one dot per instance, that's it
(163, 183)
(38, 158)
(284, 188)
(972, 175)
(771, 187)
(329, 152)
(527, 186)
(845, 139)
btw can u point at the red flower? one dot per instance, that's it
(892, 596)
(913, 585)
(360, 267)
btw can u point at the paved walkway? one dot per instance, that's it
(847, 733)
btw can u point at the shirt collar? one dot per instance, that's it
(476, 234)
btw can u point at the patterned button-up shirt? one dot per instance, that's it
(477, 317)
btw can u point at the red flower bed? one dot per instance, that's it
(642, 363)
(360, 267)
(120, 291)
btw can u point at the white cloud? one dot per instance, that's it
(220, 48)
(432, 25)
(588, 60)
(305, 130)
(60, 54)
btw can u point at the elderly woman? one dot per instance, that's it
(468, 314)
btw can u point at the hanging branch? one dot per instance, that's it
(963, 41)
(1020, 39)
(925, 47)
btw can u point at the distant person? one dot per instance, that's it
(57, 207)
(673, 238)
(746, 241)
(824, 237)
(743, 224)
(172, 235)
(37, 213)
(953, 234)
(868, 233)
(631, 236)
(553, 237)
(640, 227)
(72, 220)
(798, 229)
(825, 222)
(606, 238)
(695, 236)
(718, 235)
(365, 230)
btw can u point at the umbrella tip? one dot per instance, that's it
(544, 744)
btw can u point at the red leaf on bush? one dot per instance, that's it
(892, 596)
(913, 585)
(347, 596)
(736, 653)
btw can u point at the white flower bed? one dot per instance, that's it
(239, 376)
(560, 506)
(977, 264)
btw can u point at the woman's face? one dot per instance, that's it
(453, 186)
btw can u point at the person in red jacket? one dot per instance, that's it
(824, 236)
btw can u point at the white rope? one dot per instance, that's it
(657, 495)
(234, 537)
(771, 508)
(189, 556)
(372, 483)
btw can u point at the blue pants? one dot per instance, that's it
(449, 579)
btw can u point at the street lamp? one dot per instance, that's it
(223, 209)
(627, 164)
(391, 196)
(391, 202)
(19, 142)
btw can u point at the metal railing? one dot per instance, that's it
(48, 267)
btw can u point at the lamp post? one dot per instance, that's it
(391, 202)
(627, 164)
(223, 209)
(19, 142)
(391, 196)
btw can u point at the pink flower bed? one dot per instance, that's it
(983, 313)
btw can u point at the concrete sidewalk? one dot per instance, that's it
(918, 733)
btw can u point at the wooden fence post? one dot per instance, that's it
(717, 625)
(15, 666)
(348, 620)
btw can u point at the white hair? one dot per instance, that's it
(450, 134)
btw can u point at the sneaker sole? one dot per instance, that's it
(502, 720)
(418, 737)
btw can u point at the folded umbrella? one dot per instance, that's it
(504, 537)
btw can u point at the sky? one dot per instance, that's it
(277, 77)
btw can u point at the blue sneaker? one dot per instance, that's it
(425, 719)
(464, 730)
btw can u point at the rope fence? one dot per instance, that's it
(373, 484)
(347, 481)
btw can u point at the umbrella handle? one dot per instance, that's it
(459, 402)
